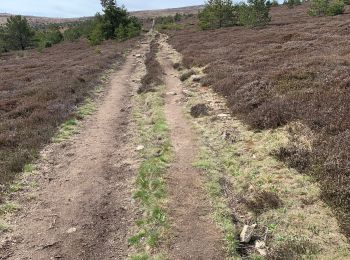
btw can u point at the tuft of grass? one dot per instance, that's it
(149, 185)
(66, 130)
(28, 168)
(15, 187)
(222, 211)
(186, 75)
(87, 108)
(9, 207)
(3, 226)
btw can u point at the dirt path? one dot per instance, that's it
(193, 233)
(82, 208)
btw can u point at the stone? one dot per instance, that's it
(223, 115)
(260, 246)
(187, 93)
(197, 78)
(140, 148)
(172, 93)
(138, 55)
(247, 233)
(71, 230)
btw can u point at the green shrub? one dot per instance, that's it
(318, 7)
(54, 36)
(71, 34)
(3, 44)
(96, 36)
(115, 23)
(254, 13)
(292, 3)
(325, 7)
(47, 38)
(17, 34)
(336, 7)
(133, 30)
(170, 26)
(121, 33)
(217, 14)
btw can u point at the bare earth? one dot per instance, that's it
(193, 233)
(82, 208)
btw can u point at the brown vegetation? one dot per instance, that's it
(39, 91)
(295, 69)
(153, 76)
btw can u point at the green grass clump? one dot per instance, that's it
(8, 207)
(150, 189)
(66, 130)
(87, 108)
(3, 226)
(222, 212)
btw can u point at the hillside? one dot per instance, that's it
(118, 142)
(166, 12)
(292, 73)
(34, 20)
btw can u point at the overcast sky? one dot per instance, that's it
(78, 8)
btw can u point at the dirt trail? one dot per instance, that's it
(82, 208)
(193, 233)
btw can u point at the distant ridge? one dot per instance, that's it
(36, 20)
(170, 11)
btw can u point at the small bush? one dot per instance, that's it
(336, 7)
(199, 110)
(324, 7)
(17, 34)
(71, 34)
(54, 36)
(217, 14)
(96, 37)
(121, 33)
(255, 13)
(170, 26)
(263, 201)
(292, 248)
(292, 3)
(185, 76)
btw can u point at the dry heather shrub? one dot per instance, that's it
(297, 153)
(186, 75)
(154, 72)
(199, 110)
(262, 201)
(292, 248)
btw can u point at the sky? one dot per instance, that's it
(79, 8)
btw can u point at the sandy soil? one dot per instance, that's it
(82, 208)
(194, 235)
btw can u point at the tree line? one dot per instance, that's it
(114, 23)
(224, 13)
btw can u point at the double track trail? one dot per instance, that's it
(83, 207)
